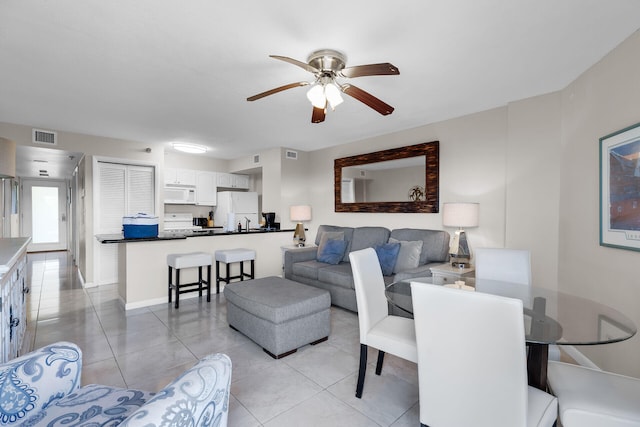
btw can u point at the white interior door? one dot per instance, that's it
(45, 215)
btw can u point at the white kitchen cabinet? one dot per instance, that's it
(232, 180)
(206, 188)
(173, 176)
(241, 181)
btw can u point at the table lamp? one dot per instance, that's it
(300, 214)
(461, 215)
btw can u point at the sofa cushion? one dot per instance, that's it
(387, 256)
(348, 237)
(337, 275)
(348, 232)
(325, 236)
(332, 251)
(409, 254)
(435, 247)
(368, 237)
(308, 269)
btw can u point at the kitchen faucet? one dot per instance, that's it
(248, 221)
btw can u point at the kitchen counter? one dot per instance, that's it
(119, 238)
(142, 263)
(13, 286)
(10, 251)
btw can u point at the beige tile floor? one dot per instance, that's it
(146, 348)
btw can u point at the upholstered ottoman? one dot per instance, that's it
(278, 314)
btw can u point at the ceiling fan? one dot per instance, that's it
(327, 66)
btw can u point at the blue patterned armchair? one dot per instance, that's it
(43, 388)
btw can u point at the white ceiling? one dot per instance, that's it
(162, 71)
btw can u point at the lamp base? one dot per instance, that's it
(457, 264)
(298, 236)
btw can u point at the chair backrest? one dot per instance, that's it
(471, 358)
(369, 285)
(200, 396)
(507, 265)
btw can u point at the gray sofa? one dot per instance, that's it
(302, 265)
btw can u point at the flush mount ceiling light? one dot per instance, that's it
(189, 148)
(328, 66)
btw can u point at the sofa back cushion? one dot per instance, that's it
(368, 237)
(348, 237)
(435, 247)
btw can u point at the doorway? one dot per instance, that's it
(45, 214)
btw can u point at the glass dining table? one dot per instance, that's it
(550, 317)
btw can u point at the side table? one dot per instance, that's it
(445, 273)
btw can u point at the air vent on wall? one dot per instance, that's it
(44, 137)
(291, 155)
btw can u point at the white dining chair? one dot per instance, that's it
(463, 381)
(378, 329)
(507, 265)
(590, 397)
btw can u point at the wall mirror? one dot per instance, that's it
(404, 179)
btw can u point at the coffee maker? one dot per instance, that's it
(270, 220)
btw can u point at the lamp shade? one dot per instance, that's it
(462, 215)
(300, 213)
(7, 158)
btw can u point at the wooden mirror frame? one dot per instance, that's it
(431, 151)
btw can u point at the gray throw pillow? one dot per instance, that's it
(328, 235)
(409, 256)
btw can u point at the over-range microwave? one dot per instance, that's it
(180, 195)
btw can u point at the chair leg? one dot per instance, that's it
(361, 372)
(209, 283)
(169, 282)
(380, 361)
(177, 305)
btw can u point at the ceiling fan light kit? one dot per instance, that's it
(327, 65)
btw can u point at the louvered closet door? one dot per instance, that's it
(123, 190)
(111, 205)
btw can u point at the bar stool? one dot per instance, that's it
(189, 260)
(229, 256)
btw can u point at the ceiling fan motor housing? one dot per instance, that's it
(327, 61)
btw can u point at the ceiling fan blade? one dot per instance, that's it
(318, 114)
(300, 64)
(384, 69)
(368, 99)
(276, 90)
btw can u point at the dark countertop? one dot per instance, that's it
(118, 238)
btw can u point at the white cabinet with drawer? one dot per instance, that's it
(444, 274)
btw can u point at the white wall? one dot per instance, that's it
(606, 98)
(472, 168)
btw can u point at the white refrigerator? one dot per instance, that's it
(236, 207)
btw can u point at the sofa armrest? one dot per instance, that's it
(30, 383)
(291, 256)
(198, 397)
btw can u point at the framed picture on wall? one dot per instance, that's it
(620, 189)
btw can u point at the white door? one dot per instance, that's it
(45, 214)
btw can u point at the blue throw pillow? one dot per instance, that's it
(332, 251)
(387, 255)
